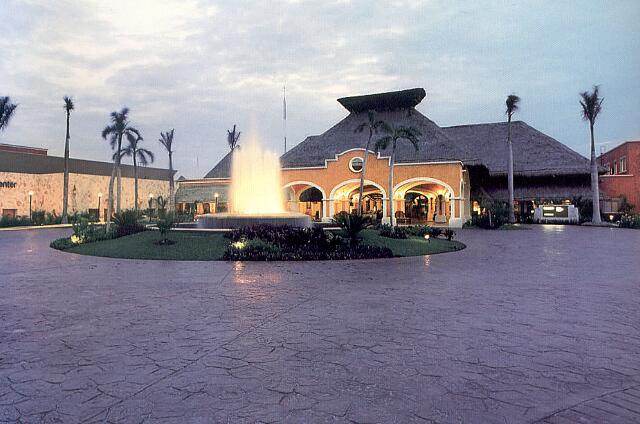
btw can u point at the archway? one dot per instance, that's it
(346, 197)
(306, 197)
(435, 200)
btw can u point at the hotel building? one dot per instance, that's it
(32, 180)
(442, 182)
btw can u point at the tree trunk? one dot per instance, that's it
(172, 198)
(135, 181)
(390, 190)
(364, 170)
(512, 216)
(110, 200)
(119, 175)
(65, 195)
(595, 189)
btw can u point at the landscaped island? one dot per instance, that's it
(262, 242)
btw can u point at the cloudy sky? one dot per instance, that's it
(202, 66)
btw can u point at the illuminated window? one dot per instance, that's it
(623, 164)
(356, 164)
(615, 167)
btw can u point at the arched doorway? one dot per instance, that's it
(306, 197)
(425, 200)
(345, 197)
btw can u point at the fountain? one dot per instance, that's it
(255, 193)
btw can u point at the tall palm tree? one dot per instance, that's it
(512, 107)
(394, 134)
(138, 154)
(372, 126)
(118, 128)
(68, 107)
(233, 137)
(591, 107)
(166, 139)
(6, 111)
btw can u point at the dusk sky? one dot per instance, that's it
(201, 67)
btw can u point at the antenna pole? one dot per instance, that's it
(284, 116)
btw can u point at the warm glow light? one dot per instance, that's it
(150, 195)
(75, 239)
(31, 193)
(610, 217)
(99, 194)
(238, 244)
(255, 181)
(216, 195)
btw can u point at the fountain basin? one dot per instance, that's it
(234, 220)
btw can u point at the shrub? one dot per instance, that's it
(418, 230)
(393, 232)
(62, 243)
(38, 217)
(19, 221)
(494, 215)
(448, 234)
(165, 224)
(435, 232)
(630, 221)
(126, 223)
(270, 243)
(83, 232)
(352, 224)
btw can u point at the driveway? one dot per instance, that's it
(539, 325)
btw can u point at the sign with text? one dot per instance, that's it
(8, 184)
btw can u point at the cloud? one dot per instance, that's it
(200, 67)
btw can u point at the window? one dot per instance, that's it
(623, 164)
(615, 167)
(356, 164)
(9, 213)
(607, 166)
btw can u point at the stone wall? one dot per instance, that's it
(83, 192)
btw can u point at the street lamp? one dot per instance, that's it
(216, 195)
(30, 199)
(99, 198)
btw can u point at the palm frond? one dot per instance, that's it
(591, 104)
(145, 156)
(383, 142)
(512, 104)
(7, 110)
(68, 104)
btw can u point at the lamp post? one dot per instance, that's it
(99, 198)
(215, 208)
(30, 211)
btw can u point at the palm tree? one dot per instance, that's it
(512, 107)
(118, 128)
(68, 107)
(166, 139)
(591, 107)
(372, 126)
(6, 111)
(139, 154)
(394, 134)
(232, 138)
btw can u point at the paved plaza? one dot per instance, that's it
(539, 325)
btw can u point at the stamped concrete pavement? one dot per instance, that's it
(532, 326)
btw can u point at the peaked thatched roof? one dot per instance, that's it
(534, 153)
(222, 168)
(434, 145)
(384, 101)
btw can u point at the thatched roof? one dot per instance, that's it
(434, 145)
(384, 101)
(534, 153)
(222, 168)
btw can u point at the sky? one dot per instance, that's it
(201, 67)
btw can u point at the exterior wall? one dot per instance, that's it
(626, 183)
(83, 192)
(338, 172)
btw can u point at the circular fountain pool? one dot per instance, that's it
(235, 220)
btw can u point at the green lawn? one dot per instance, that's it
(413, 246)
(192, 246)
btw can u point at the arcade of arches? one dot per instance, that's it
(423, 193)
